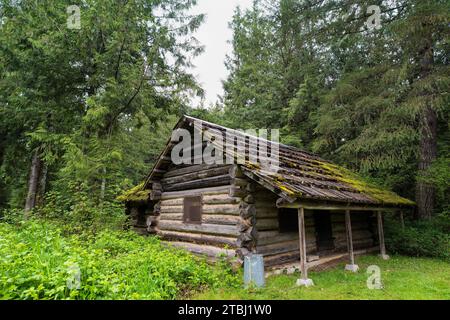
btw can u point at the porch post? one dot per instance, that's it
(303, 281)
(348, 227)
(383, 254)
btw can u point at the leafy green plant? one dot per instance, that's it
(420, 238)
(38, 261)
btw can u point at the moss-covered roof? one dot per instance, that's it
(135, 194)
(301, 175)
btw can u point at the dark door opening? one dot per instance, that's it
(324, 234)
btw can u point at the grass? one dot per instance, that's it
(402, 278)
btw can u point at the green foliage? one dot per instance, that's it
(333, 86)
(90, 100)
(38, 262)
(420, 238)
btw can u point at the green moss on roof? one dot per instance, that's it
(135, 194)
(346, 176)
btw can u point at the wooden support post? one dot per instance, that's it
(383, 254)
(303, 281)
(348, 228)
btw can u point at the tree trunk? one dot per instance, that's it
(42, 185)
(425, 192)
(33, 182)
(103, 186)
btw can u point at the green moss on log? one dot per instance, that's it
(135, 194)
(346, 176)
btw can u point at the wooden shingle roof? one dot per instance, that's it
(301, 175)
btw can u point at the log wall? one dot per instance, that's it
(275, 246)
(238, 217)
(219, 230)
(362, 230)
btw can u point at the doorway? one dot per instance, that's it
(324, 232)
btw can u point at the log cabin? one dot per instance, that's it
(306, 210)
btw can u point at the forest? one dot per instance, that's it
(86, 110)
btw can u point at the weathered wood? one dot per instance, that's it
(200, 183)
(236, 172)
(196, 192)
(171, 209)
(361, 243)
(267, 224)
(270, 261)
(210, 251)
(356, 235)
(199, 228)
(238, 192)
(202, 174)
(198, 238)
(248, 238)
(247, 210)
(302, 243)
(284, 203)
(240, 182)
(228, 209)
(278, 247)
(249, 199)
(155, 195)
(206, 218)
(348, 226)
(190, 169)
(381, 234)
(152, 221)
(221, 200)
(172, 202)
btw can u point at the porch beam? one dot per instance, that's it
(383, 254)
(304, 280)
(282, 203)
(348, 228)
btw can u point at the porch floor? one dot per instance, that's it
(322, 263)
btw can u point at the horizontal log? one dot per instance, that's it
(221, 200)
(190, 169)
(172, 202)
(206, 218)
(200, 183)
(267, 224)
(279, 247)
(357, 244)
(355, 226)
(171, 209)
(282, 258)
(202, 174)
(266, 237)
(221, 208)
(196, 192)
(226, 230)
(266, 214)
(198, 238)
(210, 251)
